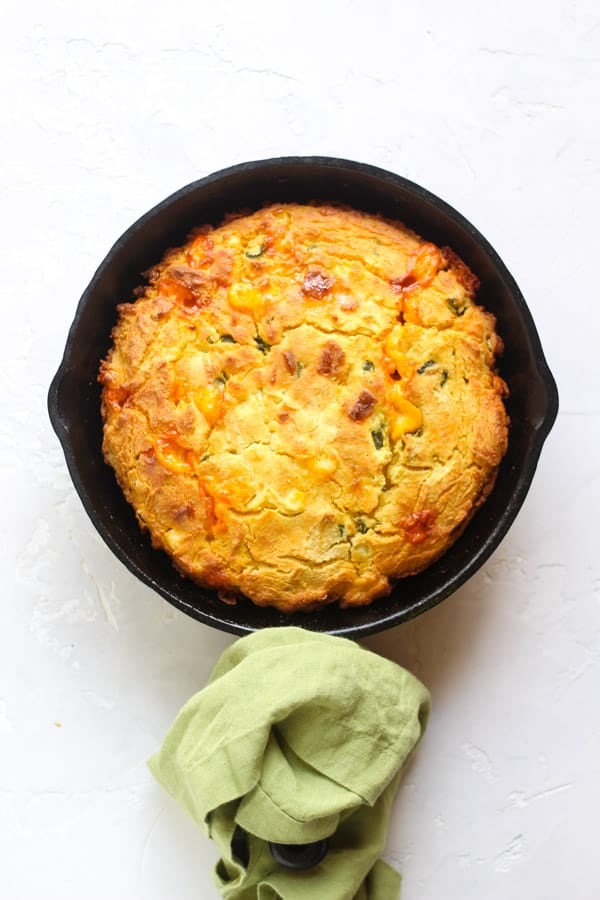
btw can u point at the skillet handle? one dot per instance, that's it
(299, 856)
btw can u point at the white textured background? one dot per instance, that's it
(108, 107)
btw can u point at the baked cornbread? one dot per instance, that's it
(302, 405)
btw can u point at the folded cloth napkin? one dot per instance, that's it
(297, 737)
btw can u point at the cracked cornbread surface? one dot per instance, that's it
(302, 405)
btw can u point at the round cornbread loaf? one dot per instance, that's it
(302, 404)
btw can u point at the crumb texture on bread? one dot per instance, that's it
(302, 404)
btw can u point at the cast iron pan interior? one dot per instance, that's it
(74, 397)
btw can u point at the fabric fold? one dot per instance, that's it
(297, 736)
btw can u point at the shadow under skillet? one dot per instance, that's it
(439, 645)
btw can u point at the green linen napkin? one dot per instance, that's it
(297, 737)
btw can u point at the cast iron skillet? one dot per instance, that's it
(74, 397)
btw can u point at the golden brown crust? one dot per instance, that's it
(466, 278)
(302, 405)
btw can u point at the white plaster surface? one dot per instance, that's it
(105, 109)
